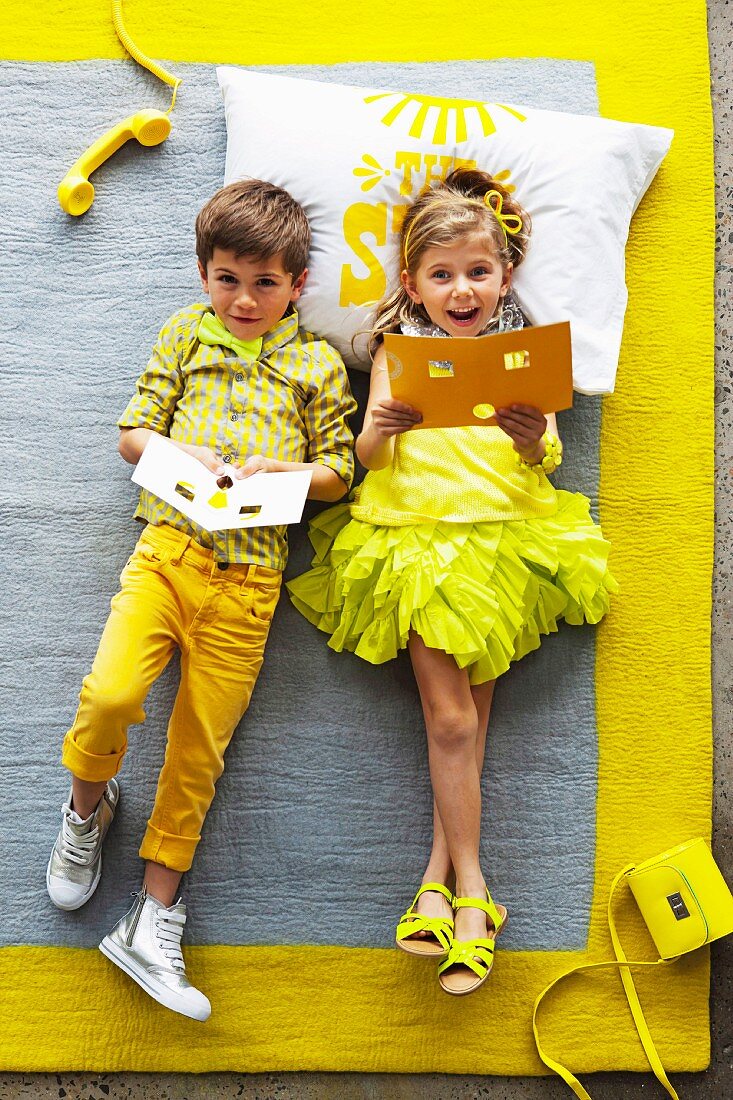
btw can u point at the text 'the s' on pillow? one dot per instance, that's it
(355, 158)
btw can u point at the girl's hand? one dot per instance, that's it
(253, 465)
(391, 417)
(525, 425)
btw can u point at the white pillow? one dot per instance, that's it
(354, 157)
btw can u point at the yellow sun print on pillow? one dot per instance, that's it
(372, 170)
(441, 110)
(415, 170)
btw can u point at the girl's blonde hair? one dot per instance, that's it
(441, 215)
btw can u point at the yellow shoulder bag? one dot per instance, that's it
(686, 903)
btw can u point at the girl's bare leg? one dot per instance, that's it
(452, 723)
(483, 697)
(440, 868)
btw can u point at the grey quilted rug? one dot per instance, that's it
(321, 824)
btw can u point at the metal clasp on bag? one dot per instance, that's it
(678, 906)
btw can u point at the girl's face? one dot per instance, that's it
(459, 285)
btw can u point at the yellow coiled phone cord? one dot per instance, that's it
(141, 58)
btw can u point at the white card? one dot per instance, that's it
(262, 500)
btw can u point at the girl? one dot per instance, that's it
(457, 546)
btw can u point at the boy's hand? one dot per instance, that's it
(209, 458)
(254, 465)
(525, 425)
(391, 417)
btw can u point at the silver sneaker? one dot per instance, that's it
(75, 865)
(146, 944)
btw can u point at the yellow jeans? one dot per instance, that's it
(173, 594)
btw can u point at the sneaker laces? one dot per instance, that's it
(77, 847)
(169, 929)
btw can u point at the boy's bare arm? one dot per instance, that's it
(325, 482)
(133, 440)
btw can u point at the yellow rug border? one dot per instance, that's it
(664, 81)
(298, 1008)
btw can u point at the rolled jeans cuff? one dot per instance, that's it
(174, 852)
(87, 765)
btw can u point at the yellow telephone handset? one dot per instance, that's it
(150, 127)
(75, 192)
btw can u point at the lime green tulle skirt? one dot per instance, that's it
(483, 592)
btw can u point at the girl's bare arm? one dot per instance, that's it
(384, 419)
(525, 426)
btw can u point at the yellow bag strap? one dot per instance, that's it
(623, 965)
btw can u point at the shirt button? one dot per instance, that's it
(227, 458)
(239, 376)
(234, 416)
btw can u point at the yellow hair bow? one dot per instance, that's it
(510, 223)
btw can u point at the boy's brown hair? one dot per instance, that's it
(254, 218)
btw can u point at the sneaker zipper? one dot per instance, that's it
(136, 918)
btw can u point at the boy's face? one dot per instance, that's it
(249, 296)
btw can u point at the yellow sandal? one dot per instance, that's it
(440, 928)
(475, 955)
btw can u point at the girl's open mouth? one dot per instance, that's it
(463, 316)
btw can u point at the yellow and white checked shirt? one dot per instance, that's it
(290, 404)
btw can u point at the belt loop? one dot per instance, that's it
(181, 547)
(248, 576)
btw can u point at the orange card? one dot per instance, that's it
(456, 380)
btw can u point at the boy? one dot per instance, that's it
(241, 388)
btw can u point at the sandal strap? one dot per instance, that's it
(489, 907)
(476, 954)
(440, 927)
(435, 888)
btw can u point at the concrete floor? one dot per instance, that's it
(717, 1082)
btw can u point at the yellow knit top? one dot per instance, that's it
(460, 475)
